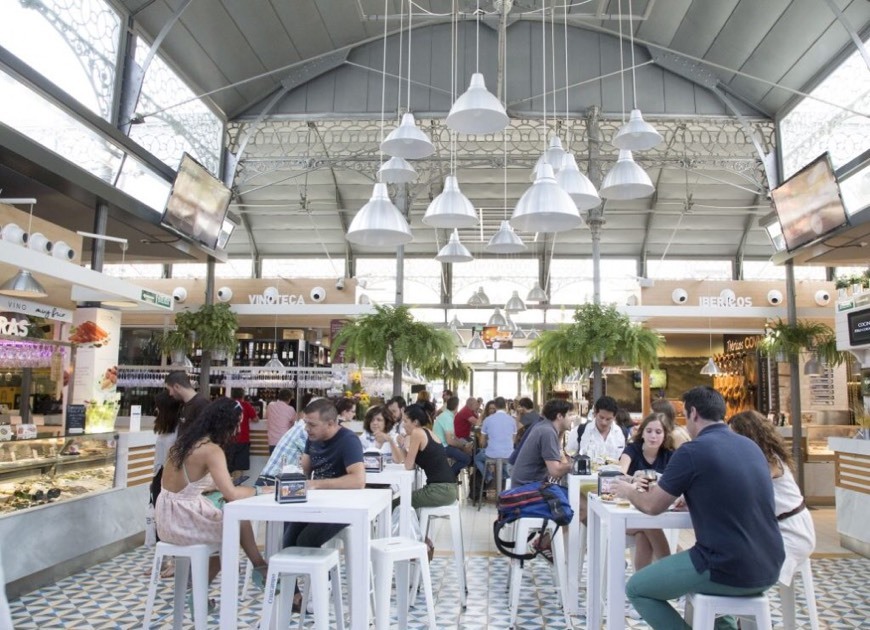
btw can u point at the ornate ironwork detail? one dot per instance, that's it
(91, 28)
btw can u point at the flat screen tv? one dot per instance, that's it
(859, 327)
(658, 379)
(197, 203)
(808, 204)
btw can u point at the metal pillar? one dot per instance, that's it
(205, 365)
(404, 207)
(794, 381)
(595, 221)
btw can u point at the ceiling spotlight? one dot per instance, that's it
(23, 285)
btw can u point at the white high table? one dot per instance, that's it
(355, 508)
(574, 567)
(397, 474)
(612, 521)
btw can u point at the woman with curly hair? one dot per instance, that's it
(650, 449)
(795, 522)
(378, 434)
(196, 484)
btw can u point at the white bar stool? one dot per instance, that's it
(188, 558)
(452, 512)
(787, 596)
(522, 528)
(319, 565)
(385, 553)
(498, 465)
(701, 610)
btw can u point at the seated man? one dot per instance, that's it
(287, 452)
(457, 450)
(725, 480)
(602, 439)
(332, 460)
(540, 456)
(497, 438)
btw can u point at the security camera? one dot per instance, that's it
(271, 294)
(62, 250)
(318, 294)
(822, 297)
(179, 294)
(774, 296)
(40, 243)
(339, 284)
(224, 294)
(679, 296)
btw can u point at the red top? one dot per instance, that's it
(462, 422)
(249, 414)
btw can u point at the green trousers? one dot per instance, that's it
(670, 578)
(434, 495)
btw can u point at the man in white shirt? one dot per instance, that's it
(603, 438)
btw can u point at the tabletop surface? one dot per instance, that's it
(374, 501)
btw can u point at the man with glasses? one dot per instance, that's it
(725, 480)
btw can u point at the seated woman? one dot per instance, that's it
(188, 512)
(425, 450)
(651, 449)
(795, 522)
(346, 410)
(378, 434)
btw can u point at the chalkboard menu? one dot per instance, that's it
(75, 419)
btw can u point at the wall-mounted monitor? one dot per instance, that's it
(859, 327)
(658, 379)
(197, 203)
(808, 204)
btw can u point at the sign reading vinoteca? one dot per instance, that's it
(259, 298)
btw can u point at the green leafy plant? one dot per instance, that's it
(392, 334)
(449, 369)
(213, 326)
(844, 282)
(599, 333)
(785, 340)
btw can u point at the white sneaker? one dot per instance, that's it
(631, 613)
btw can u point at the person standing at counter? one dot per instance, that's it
(239, 449)
(725, 480)
(165, 426)
(192, 402)
(795, 522)
(280, 416)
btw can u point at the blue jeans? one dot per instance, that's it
(669, 578)
(460, 458)
(480, 463)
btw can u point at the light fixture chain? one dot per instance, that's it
(567, 90)
(383, 86)
(410, 32)
(544, 69)
(401, 56)
(631, 40)
(621, 62)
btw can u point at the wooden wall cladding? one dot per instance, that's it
(852, 472)
(140, 465)
(756, 290)
(54, 233)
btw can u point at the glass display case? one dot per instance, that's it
(54, 469)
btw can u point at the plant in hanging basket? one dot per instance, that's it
(784, 340)
(598, 333)
(215, 327)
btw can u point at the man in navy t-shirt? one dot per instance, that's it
(725, 480)
(332, 460)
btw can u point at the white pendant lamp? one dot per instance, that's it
(545, 207)
(515, 304)
(477, 110)
(450, 209)
(508, 326)
(475, 300)
(23, 285)
(710, 368)
(636, 134)
(408, 141)
(537, 294)
(519, 333)
(541, 161)
(455, 322)
(505, 241)
(397, 170)
(454, 251)
(577, 185)
(476, 342)
(496, 319)
(484, 298)
(379, 223)
(274, 363)
(555, 153)
(626, 180)
(533, 334)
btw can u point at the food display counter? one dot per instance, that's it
(852, 463)
(818, 459)
(69, 502)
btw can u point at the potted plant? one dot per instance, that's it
(598, 333)
(213, 326)
(391, 337)
(784, 340)
(854, 282)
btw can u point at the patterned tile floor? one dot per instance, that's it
(112, 595)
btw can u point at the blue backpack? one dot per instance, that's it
(542, 500)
